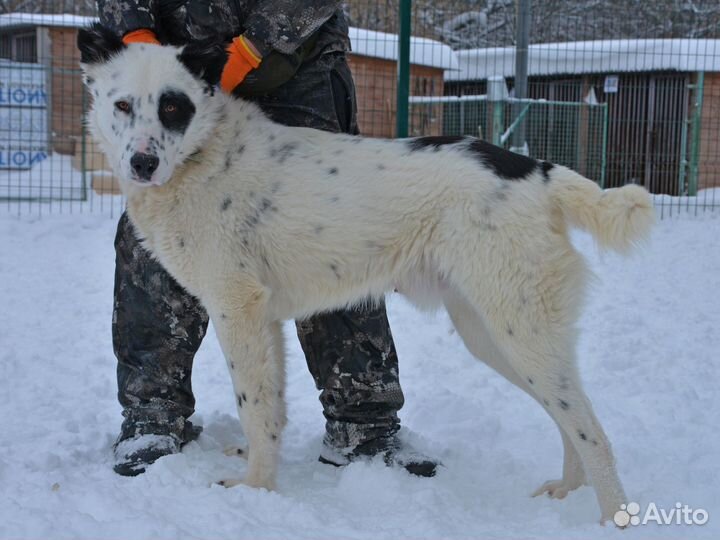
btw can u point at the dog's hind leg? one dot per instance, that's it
(253, 348)
(477, 339)
(530, 313)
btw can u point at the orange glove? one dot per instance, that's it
(241, 60)
(140, 36)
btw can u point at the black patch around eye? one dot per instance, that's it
(175, 111)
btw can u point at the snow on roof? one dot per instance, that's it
(617, 55)
(423, 52)
(42, 19)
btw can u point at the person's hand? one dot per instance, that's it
(141, 36)
(243, 57)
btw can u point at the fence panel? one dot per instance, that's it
(621, 91)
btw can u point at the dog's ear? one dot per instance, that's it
(205, 60)
(98, 44)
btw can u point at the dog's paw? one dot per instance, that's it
(232, 482)
(229, 483)
(556, 489)
(237, 451)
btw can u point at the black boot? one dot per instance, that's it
(142, 443)
(395, 453)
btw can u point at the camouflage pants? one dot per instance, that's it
(158, 327)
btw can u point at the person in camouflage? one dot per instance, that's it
(289, 57)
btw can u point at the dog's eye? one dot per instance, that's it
(170, 108)
(122, 106)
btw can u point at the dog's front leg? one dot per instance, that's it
(253, 348)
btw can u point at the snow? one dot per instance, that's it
(52, 178)
(648, 358)
(45, 19)
(604, 56)
(423, 51)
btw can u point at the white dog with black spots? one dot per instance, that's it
(265, 223)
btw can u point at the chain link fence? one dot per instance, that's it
(622, 91)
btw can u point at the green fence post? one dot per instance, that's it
(497, 95)
(403, 72)
(603, 165)
(699, 88)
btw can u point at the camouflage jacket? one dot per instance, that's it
(282, 26)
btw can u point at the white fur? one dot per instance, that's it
(265, 223)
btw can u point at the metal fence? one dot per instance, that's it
(622, 91)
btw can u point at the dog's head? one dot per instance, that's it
(152, 106)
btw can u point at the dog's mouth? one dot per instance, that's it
(145, 182)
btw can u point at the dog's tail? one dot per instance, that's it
(617, 218)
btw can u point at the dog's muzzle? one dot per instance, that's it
(144, 165)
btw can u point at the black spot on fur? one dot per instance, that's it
(582, 435)
(257, 400)
(181, 243)
(381, 167)
(240, 401)
(205, 59)
(98, 44)
(283, 152)
(546, 402)
(529, 379)
(546, 166)
(505, 164)
(564, 405)
(332, 170)
(434, 142)
(265, 204)
(509, 330)
(334, 199)
(175, 111)
(241, 149)
(227, 201)
(334, 268)
(273, 437)
(232, 365)
(239, 451)
(244, 397)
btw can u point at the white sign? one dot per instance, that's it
(23, 115)
(611, 84)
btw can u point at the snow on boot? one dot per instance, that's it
(135, 451)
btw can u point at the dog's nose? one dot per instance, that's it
(144, 165)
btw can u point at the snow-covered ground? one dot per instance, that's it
(649, 358)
